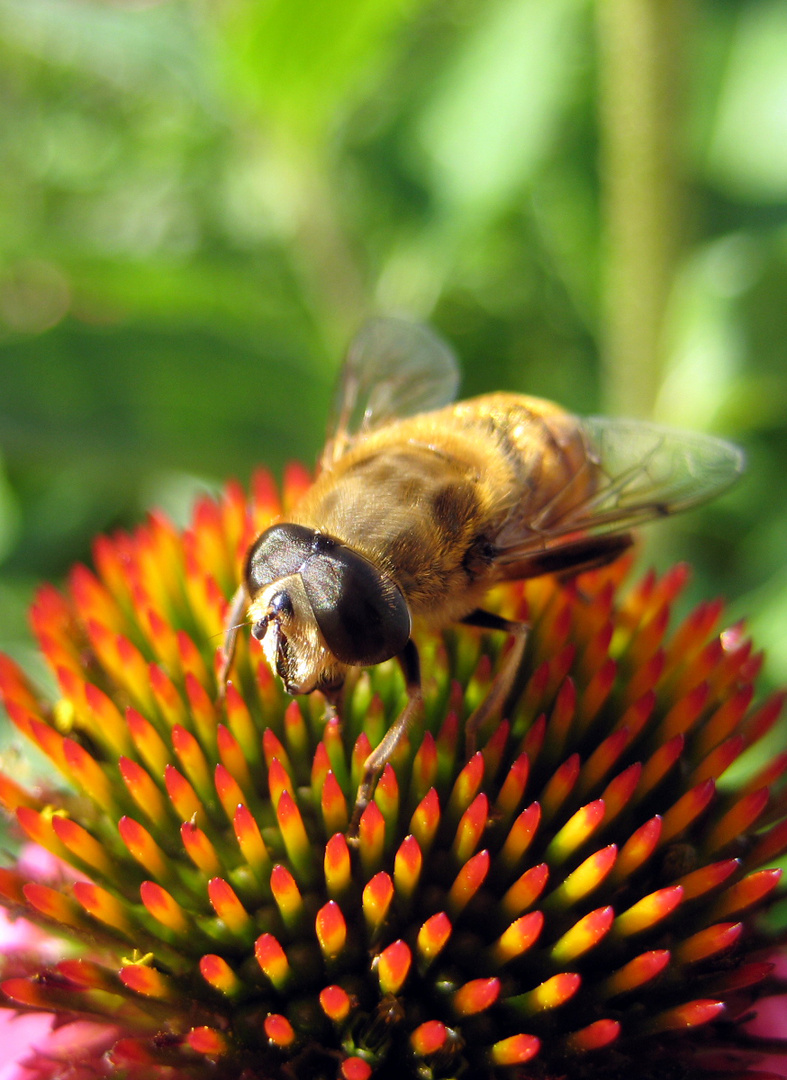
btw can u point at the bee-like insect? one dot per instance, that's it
(420, 506)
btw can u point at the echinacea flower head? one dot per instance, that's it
(585, 896)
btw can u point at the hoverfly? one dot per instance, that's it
(420, 506)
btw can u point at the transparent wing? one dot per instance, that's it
(633, 472)
(393, 369)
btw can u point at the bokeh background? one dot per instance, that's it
(202, 200)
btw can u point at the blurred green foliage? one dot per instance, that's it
(201, 200)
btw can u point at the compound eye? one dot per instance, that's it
(277, 553)
(360, 611)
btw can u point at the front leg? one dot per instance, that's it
(383, 752)
(234, 621)
(503, 682)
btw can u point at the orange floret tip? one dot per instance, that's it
(386, 795)
(371, 838)
(82, 845)
(470, 829)
(191, 661)
(199, 849)
(708, 942)
(272, 960)
(583, 936)
(228, 907)
(228, 790)
(466, 786)
(166, 697)
(279, 1030)
(745, 894)
(192, 761)
(393, 967)
(562, 716)
(53, 904)
(337, 866)
(321, 766)
(331, 929)
(355, 1068)
(182, 795)
(515, 1050)
(525, 890)
(102, 905)
(638, 849)
(520, 836)
(512, 789)
(163, 907)
(336, 1003)
(550, 994)
(333, 805)
(637, 972)
(11, 886)
(719, 760)
(603, 760)
(242, 727)
(201, 709)
(595, 1036)
(518, 937)
(432, 938)
(649, 911)
(467, 882)
(272, 747)
(725, 720)
(691, 1014)
(577, 830)
(429, 1037)
(587, 877)
(143, 791)
(742, 816)
(296, 731)
(286, 895)
(279, 781)
(148, 982)
(208, 1041)
(660, 763)
(361, 751)
(701, 881)
(424, 766)
(38, 827)
(476, 996)
(294, 834)
(560, 786)
(90, 776)
(250, 842)
(377, 896)
(216, 971)
(425, 819)
(149, 744)
(408, 863)
(686, 810)
(108, 723)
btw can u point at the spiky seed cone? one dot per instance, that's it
(580, 898)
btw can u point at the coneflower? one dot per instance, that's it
(585, 897)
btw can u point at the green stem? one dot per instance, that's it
(641, 75)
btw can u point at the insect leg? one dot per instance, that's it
(411, 666)
(237, 610)
(504, 680)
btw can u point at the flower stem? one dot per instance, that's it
(641, 97)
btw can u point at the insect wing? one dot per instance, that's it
(639, 472)
(393, 369)
(649, 470)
